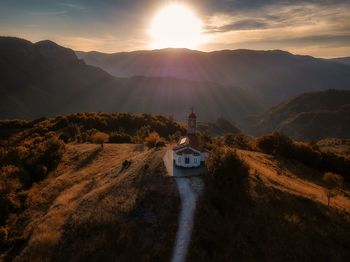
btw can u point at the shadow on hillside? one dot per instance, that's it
(88, 158)
(278, 224)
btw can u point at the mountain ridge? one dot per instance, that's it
(261, 74)
(310, 116)
(45, 79)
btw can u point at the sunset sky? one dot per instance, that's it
(319, 28)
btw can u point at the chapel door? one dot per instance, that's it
(187, 160)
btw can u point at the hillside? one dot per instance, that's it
(270, 76)
(92, 208)
(283, 216)
(45, 79)
(66, 197)
(309, 116)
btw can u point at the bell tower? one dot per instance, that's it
(192, 123)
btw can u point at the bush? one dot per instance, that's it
(278, 144)
(53, 152)
(333, 183)
(154, 140)
(160, 143)
(266, 144)
(119, 138)
(240, 141)
(334, 163)
(306, 154)
(73, 131)
(226, 169)
(99, 138)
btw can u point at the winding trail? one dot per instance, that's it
(190, 186)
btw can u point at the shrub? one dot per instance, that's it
(160, 143)
(53, 152)
(99, 138)
(305, 153)
(154, 140)
(236, 140)
(226, 169)
(279, 144)
(73, 131)
(119, 137)
(266, 144)
(333, 183)
(142, 133)
(338, 164)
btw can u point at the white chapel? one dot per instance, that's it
(188, 152)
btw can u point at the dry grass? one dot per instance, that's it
(293, 177)
(284, 217)
(92, 209)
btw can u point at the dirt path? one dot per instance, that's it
(189, 189)
(190, 185)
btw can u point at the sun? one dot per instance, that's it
(175, 26)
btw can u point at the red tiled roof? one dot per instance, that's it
(187, 151)
(189, 141)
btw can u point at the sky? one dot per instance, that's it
(318, 28)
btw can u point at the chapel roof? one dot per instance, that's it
(189, 141)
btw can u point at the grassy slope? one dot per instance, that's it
(285, 218)
(92, 209)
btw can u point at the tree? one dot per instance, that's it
(227, 171)
(100, 138)
(333, 183)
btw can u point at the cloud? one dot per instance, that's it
(245, 24)
(288, 25)
(117, 25)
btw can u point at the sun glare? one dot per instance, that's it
(175, 26)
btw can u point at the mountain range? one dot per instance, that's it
(45, 79)
(269, 76)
